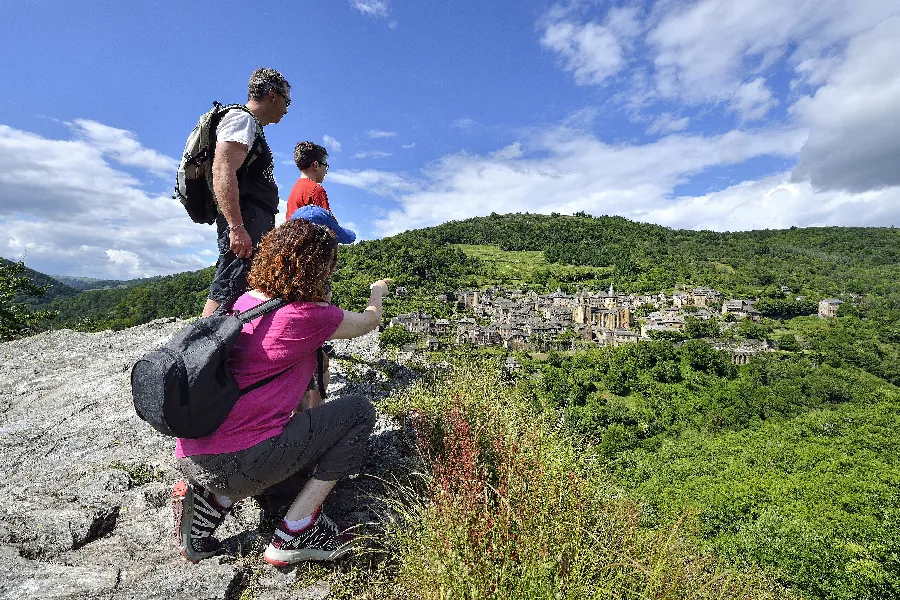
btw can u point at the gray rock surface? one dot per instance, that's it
(85, 484)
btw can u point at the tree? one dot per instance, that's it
(701, 328)
(396, 336)
(788, 342)
(17, 320)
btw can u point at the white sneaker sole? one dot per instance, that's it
(282, 558)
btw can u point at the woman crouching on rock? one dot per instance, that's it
(266, 438)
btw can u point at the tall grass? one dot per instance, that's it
(512, 510)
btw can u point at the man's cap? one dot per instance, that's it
(320, 216)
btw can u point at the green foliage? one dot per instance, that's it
(788, 342)
(787, 307)
(181, 295)
(787, 462)
(701, 328)
(16, 319)
(396, 336)
(813, 498)
(667, 335)
(512, 510)
(52, 288)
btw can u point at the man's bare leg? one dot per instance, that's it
(210, 307)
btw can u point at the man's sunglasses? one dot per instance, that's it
(324, 164)
(287, 101)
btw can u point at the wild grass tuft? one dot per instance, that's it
(511, 510)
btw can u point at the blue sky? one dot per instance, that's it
(708, 114)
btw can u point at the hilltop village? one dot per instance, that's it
(528, 321)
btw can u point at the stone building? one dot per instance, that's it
(829, 307)
(741, 309)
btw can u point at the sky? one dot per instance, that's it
(709, 114)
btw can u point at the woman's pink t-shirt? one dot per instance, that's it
(286, 338)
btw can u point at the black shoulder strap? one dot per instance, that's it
(262, 309)
(266, 307)
(320, 372)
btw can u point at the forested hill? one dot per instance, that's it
(647, 257)
(54, 288)
(577, 252)
(82, 284)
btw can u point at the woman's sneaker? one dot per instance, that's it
(320, 540)
(197, 514)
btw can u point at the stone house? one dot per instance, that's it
(741, 309)
(468, 298)
(441, 327)
(829, 307)
(414, 322)
(516, 341)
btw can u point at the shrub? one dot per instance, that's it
(17, 320)
(396, 337)
(513, 510)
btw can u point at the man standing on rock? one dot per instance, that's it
(243, 182)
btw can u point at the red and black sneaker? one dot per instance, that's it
(320, 540)
(197, 514)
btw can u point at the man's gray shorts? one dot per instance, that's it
(326, 442)
(230, 279)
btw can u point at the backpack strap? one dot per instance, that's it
(259, 131)
(320, 372)
(263, 382)
(266, 307)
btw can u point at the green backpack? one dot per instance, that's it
(194, 182)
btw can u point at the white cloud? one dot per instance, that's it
(854, 140)
(668, 123)
(814, 72)
(332, 144)
(512, 151)
(68, 211)
(123, 147)
(382, 183)
(753, 100)
(408, 146)
(709, 50)
(372, 154)
(776, 203)
(373, 8)
(376, 133)
(572, 171)
(592, 51)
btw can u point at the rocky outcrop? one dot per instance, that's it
(84, 484)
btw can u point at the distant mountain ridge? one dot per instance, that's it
(82, 284)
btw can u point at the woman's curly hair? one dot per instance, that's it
(294, 261)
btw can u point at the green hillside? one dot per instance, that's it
(643, 257)
(54, 288)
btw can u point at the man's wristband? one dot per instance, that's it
(233, 227)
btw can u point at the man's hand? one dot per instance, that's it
(240, 242)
